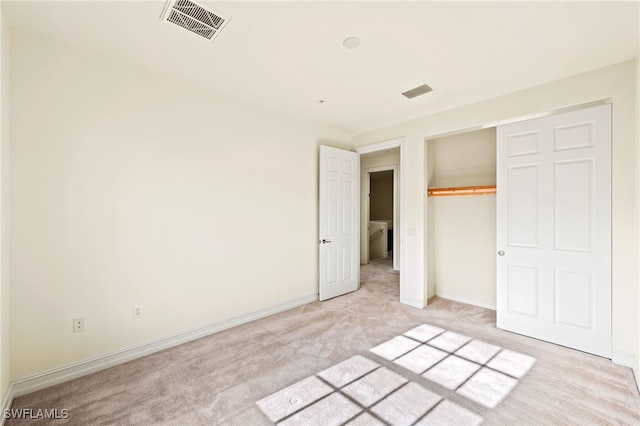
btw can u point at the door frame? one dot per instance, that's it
(367, 210)
(400, 219)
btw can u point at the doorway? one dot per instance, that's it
(381, 214)
(380, 211)
(378, 151)
(380, 206)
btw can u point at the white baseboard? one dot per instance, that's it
(627, 360)
(68, 372)
(622, 358)
(466, 301)
(416, 303)
(6, 402)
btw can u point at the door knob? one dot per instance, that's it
(501, 253)
(325, 241)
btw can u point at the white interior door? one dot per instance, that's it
(339, 206)
(554, 229)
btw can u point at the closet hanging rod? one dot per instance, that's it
(462, 190)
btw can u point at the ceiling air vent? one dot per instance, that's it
(420, 90)
(200, 20)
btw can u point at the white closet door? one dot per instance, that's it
(554, 229)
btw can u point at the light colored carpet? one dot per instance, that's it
(219, 379)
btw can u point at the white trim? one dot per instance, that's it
(400, 229)
(7, 401)
(622, 358)
(416, 303)
(532, 116)
(466, 301)
(627, 360)
(71, 371)
(380, 146)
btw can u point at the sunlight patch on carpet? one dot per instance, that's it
(421, 359)
(452, 372)
(291, 399)
(332, 410)
(374, 386)
(347, 371)
(407, 405)
(392, 349)
(361, 391)
(450, 413)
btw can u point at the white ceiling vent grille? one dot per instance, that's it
(200, 20)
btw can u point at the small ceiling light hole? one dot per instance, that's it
(351, 42)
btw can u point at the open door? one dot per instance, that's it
(554, 229)
(339, 235)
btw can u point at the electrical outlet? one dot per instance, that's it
(137, 312)
(78, 325)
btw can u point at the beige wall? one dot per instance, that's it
(464, 159)
(616, 82)
(464, 241)
(130, 188)
(5, 289)
(381, 196)
(462, 230)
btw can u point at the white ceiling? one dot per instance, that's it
(287, 56)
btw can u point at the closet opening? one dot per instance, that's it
(461, 217)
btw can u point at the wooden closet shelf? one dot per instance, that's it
(462, 190)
